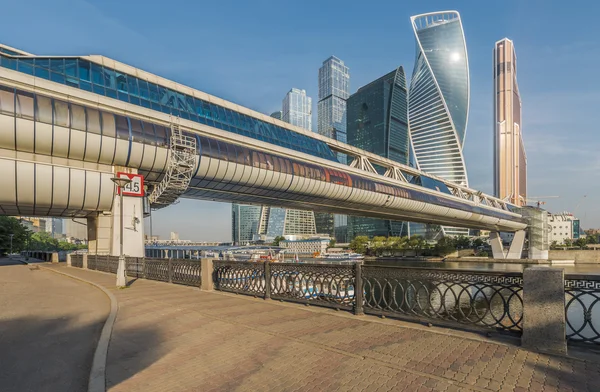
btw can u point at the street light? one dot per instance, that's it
(121, 271)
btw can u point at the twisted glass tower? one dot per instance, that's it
(439, 95)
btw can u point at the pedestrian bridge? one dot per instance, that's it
(67, 124)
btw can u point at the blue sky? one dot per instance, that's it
(253, 52)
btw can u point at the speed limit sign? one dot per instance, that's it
(135, 187)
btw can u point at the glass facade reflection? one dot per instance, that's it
(89, 76)
(334, 90)
(510, 160)
(439, 95)
(244, 223)
(297, 109)
(378, 123)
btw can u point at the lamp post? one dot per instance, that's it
(121, 271)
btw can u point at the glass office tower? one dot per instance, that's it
(439, 98)
(245, 222)
(334, 90)
(378, 123)
(297, 109)
(439, 95)
(510, 161)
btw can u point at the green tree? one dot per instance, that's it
(444, 246)
(359, 244)
(278, 239)
(332, 243)
(568, 242)
(554, 245)
(8, 226)
(477, 242)
(462, 242)
(591, 239)
(581, 242)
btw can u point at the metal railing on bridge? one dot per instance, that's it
(486, 300)
(179, 271)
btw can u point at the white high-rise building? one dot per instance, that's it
(297, 109)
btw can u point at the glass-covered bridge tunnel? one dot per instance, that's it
(67, 124)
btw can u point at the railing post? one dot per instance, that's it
(84, 261)
(267, 273)
(207, 274)
(143, 263)
(170, 268)
(358, 289)
(544, 326)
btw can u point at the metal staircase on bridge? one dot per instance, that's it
(180, 169)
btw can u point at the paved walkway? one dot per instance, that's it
(174, 338)
(49, 328)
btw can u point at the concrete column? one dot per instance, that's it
(496, 243)
(516, 246)
(206, 271)
(544, 326)
(54, 257)
(68, 260)
(104, 235)
(84, 263)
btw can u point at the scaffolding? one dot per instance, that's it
(180, 169)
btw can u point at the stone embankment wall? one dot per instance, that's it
(580, 256)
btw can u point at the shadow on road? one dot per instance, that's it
(56, 355)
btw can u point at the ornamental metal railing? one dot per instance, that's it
(239, 277)
(318, 284)
(77, 260)
(479, 299)
(582, 309)
(468, 299)
(179, 271)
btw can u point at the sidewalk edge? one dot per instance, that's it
(97, 381)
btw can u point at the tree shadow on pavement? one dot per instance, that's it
(40, 354)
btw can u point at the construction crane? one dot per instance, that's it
(539, 200)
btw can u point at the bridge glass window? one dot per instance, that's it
(97, 75)
(84, 70)
(61, 113)
(162, 135)
(25, 105)
(108, 125)
(122, 127)
(110, 79)
(78, 120)
(231, 152)
(25, 66)
(43, 109)
(132, 86)
(244, 156)
(137, 132)
(93, 121)
(7, 101)
(149, 133)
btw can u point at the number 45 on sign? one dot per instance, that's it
(135, 187)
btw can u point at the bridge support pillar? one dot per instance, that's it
(516, 246)
(104, 229)
(496, 243)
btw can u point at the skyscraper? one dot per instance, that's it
(510, 161)
(438, 105)
(378, 123)
(439, 95)
(245, 222)
(334, 89)
(278, 114)
(297, 109)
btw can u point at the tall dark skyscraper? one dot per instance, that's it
(378, 122)
(334, 89)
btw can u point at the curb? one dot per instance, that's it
(97, 381)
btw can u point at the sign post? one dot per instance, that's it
(134, 188)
